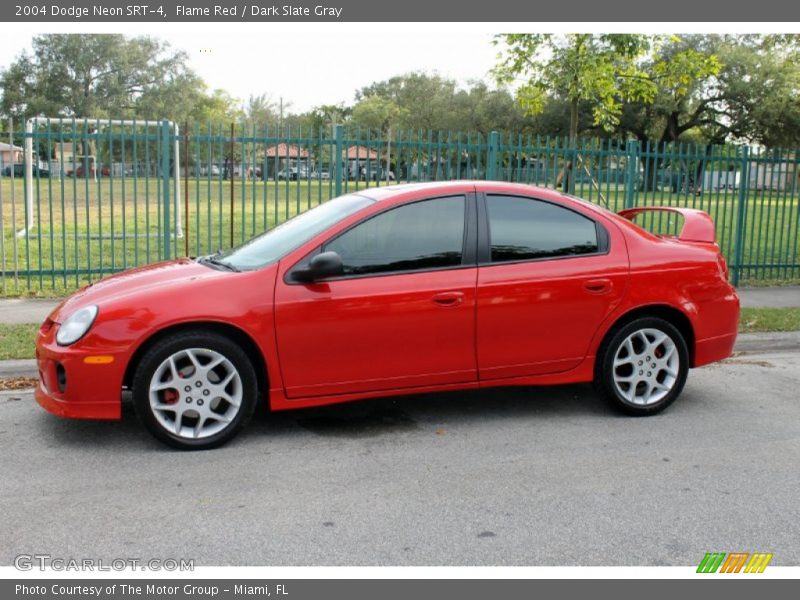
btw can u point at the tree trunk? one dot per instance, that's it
(651, 164)
(573, 143)
(573, 123)
(700, 169)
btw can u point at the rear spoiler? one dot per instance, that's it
(697, 224)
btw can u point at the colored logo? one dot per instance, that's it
(734, 562)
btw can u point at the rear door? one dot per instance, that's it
(548, 275)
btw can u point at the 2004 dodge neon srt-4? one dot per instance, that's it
(396, 290)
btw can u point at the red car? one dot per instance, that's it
(396, 290)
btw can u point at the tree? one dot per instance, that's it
(601, 70)
(99, 76)
(436, 103)
(326, 116)
(261, 111)
(375, 112)
(736, 88)
(479, 108)
(714, 89)
(425, 99)
(757, 93)
(217, 108)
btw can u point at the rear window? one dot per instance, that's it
(525, 229)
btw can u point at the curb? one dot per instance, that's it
(18, 368)
(761, 343)
(750, 343)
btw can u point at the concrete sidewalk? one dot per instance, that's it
(25, 310)
(770, 297)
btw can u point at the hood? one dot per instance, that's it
(135, 281)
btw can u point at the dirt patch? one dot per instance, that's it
(746, 361)
(17, 383)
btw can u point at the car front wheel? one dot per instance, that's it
(195, 390)
(642, 366)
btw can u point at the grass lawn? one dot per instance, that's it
(16, 341)
(769, 319)
(86, 229)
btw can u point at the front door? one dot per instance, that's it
(402, 315)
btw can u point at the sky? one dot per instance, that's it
(315, 66)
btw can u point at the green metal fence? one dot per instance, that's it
(80, 199)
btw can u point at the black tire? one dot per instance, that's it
(169, 346)
(604, 380)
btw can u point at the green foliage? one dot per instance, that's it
(260, 111)
(425, 98)
(759, 90)
(430, 101)
(655, 88)
(602, 70)
(217, 108)
(715, 88)
(376, 112)
(324, 117)
(102, 75)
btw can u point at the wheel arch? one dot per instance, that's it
(672, 315)
(232, 332)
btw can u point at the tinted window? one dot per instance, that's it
(422, 235)
(284, 238)
(522, 229)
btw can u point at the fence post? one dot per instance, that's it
(491, 158)
(165, 186)
(632, 153)
(741, 214)
(338, 157)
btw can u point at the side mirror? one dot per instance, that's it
(323, 265)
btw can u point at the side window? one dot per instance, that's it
(422, 235)
(522, 229)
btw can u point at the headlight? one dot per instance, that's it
(76, 326)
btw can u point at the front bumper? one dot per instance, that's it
(71, 387)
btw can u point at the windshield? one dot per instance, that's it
(275, 243)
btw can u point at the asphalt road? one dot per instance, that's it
(530, 476)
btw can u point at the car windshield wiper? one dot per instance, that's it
(213, 259)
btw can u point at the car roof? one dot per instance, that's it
(445, 187)
(414, 191)
(392, 191)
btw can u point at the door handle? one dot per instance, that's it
(449, 298)
(598, 286)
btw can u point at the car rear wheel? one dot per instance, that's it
(195, 390)
(642, 366)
